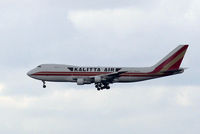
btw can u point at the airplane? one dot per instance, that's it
(103, 76)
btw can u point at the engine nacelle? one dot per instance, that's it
(80, 81)
(97, 79)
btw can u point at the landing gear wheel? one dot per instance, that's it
(98, 86)
(44, 86)
(107, 87)
(101, 86)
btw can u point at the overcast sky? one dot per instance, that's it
(98, 33)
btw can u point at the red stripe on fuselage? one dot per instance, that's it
(93, 74)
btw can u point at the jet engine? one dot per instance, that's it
(97, 79)
(80, 82)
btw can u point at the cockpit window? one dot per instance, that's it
(39, 66)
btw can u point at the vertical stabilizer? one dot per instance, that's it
(172, 61)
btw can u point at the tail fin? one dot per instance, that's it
(172, 61)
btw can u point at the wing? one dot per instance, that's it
(115, 74)
(107, 77)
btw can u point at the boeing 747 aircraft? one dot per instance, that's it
(103, 76)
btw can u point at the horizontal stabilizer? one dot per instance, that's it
(181, 70)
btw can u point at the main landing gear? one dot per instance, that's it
(44, 85)
(101, 86)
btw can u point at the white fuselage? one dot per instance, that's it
(67, 73)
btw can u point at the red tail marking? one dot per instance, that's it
(176, 65)
(157, 69)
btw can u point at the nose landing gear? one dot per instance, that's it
(44, 84)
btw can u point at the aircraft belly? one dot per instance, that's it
(56, 78)
(132, 79)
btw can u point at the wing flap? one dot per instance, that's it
(109, 77)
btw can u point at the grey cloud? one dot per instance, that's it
(47, 29)
(116, 111)
(35, 32)
(40, 33)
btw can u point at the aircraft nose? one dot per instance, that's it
(29, 73)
